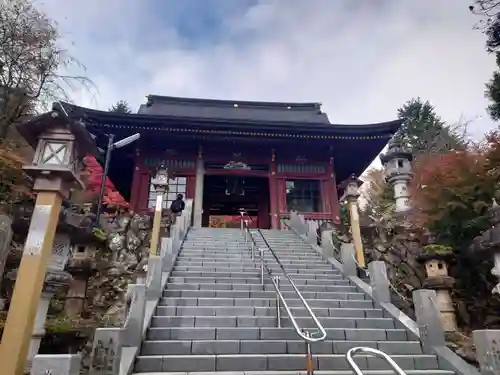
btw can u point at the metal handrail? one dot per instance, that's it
(301, 332)
(301, 298)
(375, 352)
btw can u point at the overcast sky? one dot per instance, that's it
(361, 58)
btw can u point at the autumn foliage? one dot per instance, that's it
(453, 190)
(14, 183)
(92, 175)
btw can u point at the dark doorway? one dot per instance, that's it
(223, 196)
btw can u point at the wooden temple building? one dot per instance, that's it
(269, 158)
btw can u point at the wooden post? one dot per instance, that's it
(351, 186)
(28, 288)
(356, 231)
(59, 143)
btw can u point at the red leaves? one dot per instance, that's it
(452, 191)
(93, 175)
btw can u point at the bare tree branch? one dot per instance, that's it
(31, 63)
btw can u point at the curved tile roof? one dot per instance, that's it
(234, 110)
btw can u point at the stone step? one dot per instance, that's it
(335, 372)
(273, 333)
(269, 321)
(276, 362)
(273, 265)
(207, 246)
(297, 311)
(263, 302)
(296, 277)
(262, 294)
(228, 268)
(284, 286)
(202, 347)
(241, 243)
(243, 255)
(247, 261)
(252, 279)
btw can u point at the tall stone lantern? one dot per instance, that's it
(351, 192)
(60, 145)
(160, 184)
(398, 173)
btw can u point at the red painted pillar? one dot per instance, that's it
(190, 188)
(332, 193)
(273, 194)
(143, 189)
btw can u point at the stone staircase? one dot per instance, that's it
(216, 316)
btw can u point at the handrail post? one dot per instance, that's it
(309, 359)
(278, 303)
(347, 256)
(379, 281)
(261, 250)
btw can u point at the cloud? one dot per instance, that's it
(362, 59)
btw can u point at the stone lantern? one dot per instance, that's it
(160, 184)
(397, 164)
(60, 145)
(59, 150)
(436, 259)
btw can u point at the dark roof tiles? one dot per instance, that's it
(234, 110)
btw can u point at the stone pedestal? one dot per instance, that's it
(75, 299)
(81, 266)
(54, 280)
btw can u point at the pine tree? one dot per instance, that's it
(424, 131)
(493, 92)
(121, 107)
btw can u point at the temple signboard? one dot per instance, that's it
(236, 165)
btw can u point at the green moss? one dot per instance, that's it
(61, 324)
(99, 233)
(434, 249)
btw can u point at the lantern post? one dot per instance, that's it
(351, 186)
(160, 184)
(60, 147)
